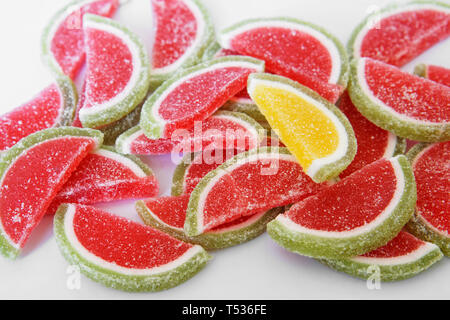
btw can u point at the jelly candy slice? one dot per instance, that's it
(183, 30)
(409, 106)
(249, 183)
(195, 94)
(315, 131)
(295, 49)
(63, 47)
(32, 172)
(112, 93)
(52, 107)
(434, 73)
(104, 176)
(403, 257)
(354, 216)
(399, 33)
(123, 254)
(431, 221)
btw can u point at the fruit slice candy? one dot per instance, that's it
(31, 173)
(434, 73)
(195, 94)
(112, 93)
(314, 130)
(431, 221)
(63, 47)
(356, 215)
(398, 34)
(183, 31)
(168, 215)
(249, 183)
(52, 107)
(294, 49)
(105, 175)
(373, 142)
(115, 129)
(123, 254)
(403, 257)
(409, 106)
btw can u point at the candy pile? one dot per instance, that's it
(311, 150)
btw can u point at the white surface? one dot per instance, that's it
(259, 269)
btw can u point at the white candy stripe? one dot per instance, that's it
(399, 190)
(411, 257)
(245, 160)
(123, 160)
(391, 144)
(384, 107)
(137, 66)
(220, 65)
(78, 247)
(342, 148)
(201, 30)
(244, 124)
(126, 143)
(225, 40)
(375, 19)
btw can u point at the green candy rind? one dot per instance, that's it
(211, 240)
(421, 70)
(112, 279)
(11, 155)
(432, 132)
(400, 146)
(152, 127)
(114, 130)
(120, 141)
(190, 225)
(331, 170)
(70, 100)
(387, 272)
(251, 110)
(360, 27)
(211, 51)
(344, 75)
(209, 37)
(138, 92)
(338, 248)
(417, 225)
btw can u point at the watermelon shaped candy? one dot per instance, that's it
(403, 257)
(431, 221)
(31, 173)
(434, 73)
(63, 47)
(356, 215)
(399, 33)
(52, 107)
(105, 175)
(295, 49)
(373, 142)
(223, 129)
(168, 215)
(123, 254)
(249, 183)
(110, 93)
(183, 30)
(407, 105)
(195, 94)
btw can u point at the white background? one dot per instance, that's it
(256, 270)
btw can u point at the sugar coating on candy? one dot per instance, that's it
(431, 170)
(339, 207)
(314, 130)
(117, 76)
(123, 254)
(42, 112)
(222, 130)
(435, 73)
(26, 194)
(406, 94)
(293, 49)
(402, 34)
(373, 142)
(66, 36)
(249, 183)
(104, 176)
